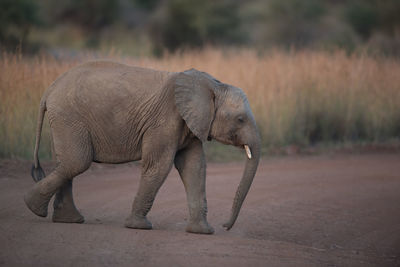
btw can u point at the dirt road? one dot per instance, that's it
(331, 210)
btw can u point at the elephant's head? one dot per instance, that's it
(214, 110)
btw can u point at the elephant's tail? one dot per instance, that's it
(37, 171)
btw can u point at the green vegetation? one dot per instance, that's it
(153, 27)
(16, 19)
(192, 23)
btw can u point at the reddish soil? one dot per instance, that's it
(330, 210)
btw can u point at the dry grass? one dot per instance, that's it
(299, 98)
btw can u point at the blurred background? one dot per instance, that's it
(152, 27)
(319, 74)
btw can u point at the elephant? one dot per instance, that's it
(109, 112)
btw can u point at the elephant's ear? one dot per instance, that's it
(194, 98)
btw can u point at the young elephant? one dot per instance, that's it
(107, 112)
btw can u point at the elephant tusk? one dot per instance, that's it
(248, 151)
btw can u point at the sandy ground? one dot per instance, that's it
(331, 210)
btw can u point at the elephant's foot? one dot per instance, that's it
(67, 214)
(138, 222)
(37, 202)
(199, 228)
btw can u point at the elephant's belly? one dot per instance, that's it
(115, 156)
(109, 150)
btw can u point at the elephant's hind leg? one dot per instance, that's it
(37, 199)
(74, 155)
(64, 206)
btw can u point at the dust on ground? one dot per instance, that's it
(329, 210)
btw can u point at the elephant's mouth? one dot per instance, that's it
(232, 142)
(247, 149)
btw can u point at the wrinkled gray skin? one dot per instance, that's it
(112, 113)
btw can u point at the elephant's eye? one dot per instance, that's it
(240, 119)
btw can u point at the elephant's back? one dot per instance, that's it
(99, 67)
(103, 83)
(107, 75)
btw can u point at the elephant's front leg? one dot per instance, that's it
(157, 160)
(191, 165)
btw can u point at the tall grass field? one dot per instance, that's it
(298, 98)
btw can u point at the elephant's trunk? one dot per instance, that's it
(247, 179)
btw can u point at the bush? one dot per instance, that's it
(16, 19)
(362, 16)
(294, 22)
(192, 23)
